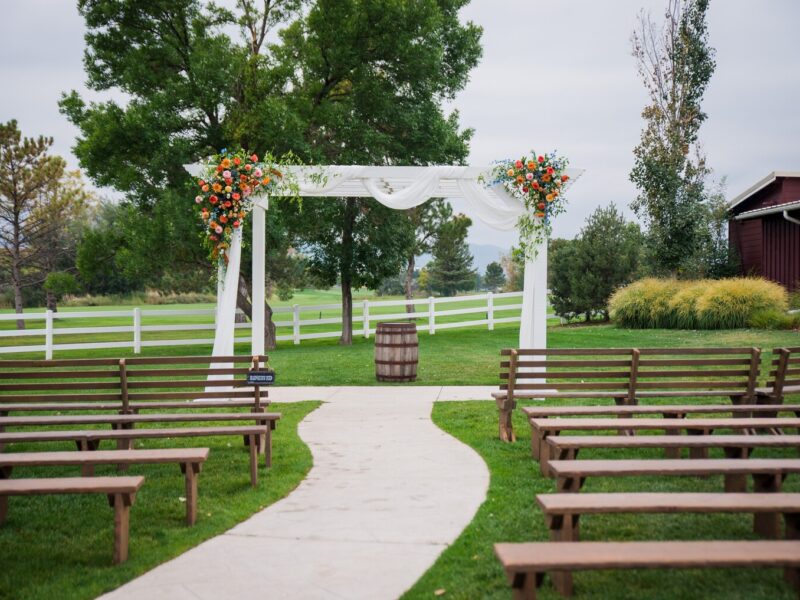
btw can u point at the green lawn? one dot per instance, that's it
(61, 546)
(468, 569)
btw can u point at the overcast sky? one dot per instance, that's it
(554, 75)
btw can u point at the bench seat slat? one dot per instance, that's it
(574, 556)
(534, 412)
(674, 441)
(71, 485)
(125, 419)
(668, 466)
(133, 405)
(115, 434)
(165, 455)
(648, 502)
(648, 423)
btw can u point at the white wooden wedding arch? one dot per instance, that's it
(399, 188)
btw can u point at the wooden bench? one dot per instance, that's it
(768, 473)
(90, 439)
(784, 376)
(734, 446)
(190, 460)
(562, 512)
(542, 428)
(121, 492)
(130, 384)
(626, 375)
(666, 410)
(526, 564)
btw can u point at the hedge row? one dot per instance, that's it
(701, 304)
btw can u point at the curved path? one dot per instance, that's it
(387, 493)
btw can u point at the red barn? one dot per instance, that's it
(764, 228)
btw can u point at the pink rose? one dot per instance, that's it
(258, 172)
(226, 174)
(218, 229)
(529, 176)
(198, 199)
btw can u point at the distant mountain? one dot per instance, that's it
(482, 255)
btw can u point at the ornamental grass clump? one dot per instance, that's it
(731, 303)
(644, 304)
(701, 304)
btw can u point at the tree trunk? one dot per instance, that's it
(16, 281)
(346, 274)
(410, 282)
(51, 301)
(243, 302)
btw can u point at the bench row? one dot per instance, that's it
(631, 374)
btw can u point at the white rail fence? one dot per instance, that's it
(491, 308)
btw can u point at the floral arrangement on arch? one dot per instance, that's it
(226, 190)
(538, 181)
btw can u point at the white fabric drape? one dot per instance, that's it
(226, 306)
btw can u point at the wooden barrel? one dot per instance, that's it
(396, 352)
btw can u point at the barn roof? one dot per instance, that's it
(760, 185)
(768, 210)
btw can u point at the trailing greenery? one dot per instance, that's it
(468, 568)
(60, 546)
(702, 304)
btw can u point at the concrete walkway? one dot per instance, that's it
(388, 492)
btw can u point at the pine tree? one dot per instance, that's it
(451, 269)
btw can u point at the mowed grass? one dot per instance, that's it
(467, 356)
(61, 546)
(468, 569)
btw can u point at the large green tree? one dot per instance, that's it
(196, 79)
(584, 272)
(368, 80)
(675, 62)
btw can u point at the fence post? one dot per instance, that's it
(490, 309)
(48, 335)
(296, 323)
(365, 316)
(431, 315)
(137, 330)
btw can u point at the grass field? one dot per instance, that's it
(61, 546)
(468, 569)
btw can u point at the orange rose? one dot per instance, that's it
(540, 215)
(225, 163)
(265, 181)
(205, 188)
(531, 165)
(217, 187)
(520, 179)
(546, 178)
(549, 197)
(510, 172)
(237, 161)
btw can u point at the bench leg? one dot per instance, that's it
(792, 521)
(268, 447)
(506, 426)
(698, 452)
(536, 442)
(524, 585)
(122, 513)
(569, 484)
(3, 509)
(5, 472)
(672, 452)
(253, 461)
(767, 525)
(191, 470)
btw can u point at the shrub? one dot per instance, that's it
(773, 319)
(644, 304)
(730, 303)
(701, 304)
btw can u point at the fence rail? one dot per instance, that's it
(432, 314)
